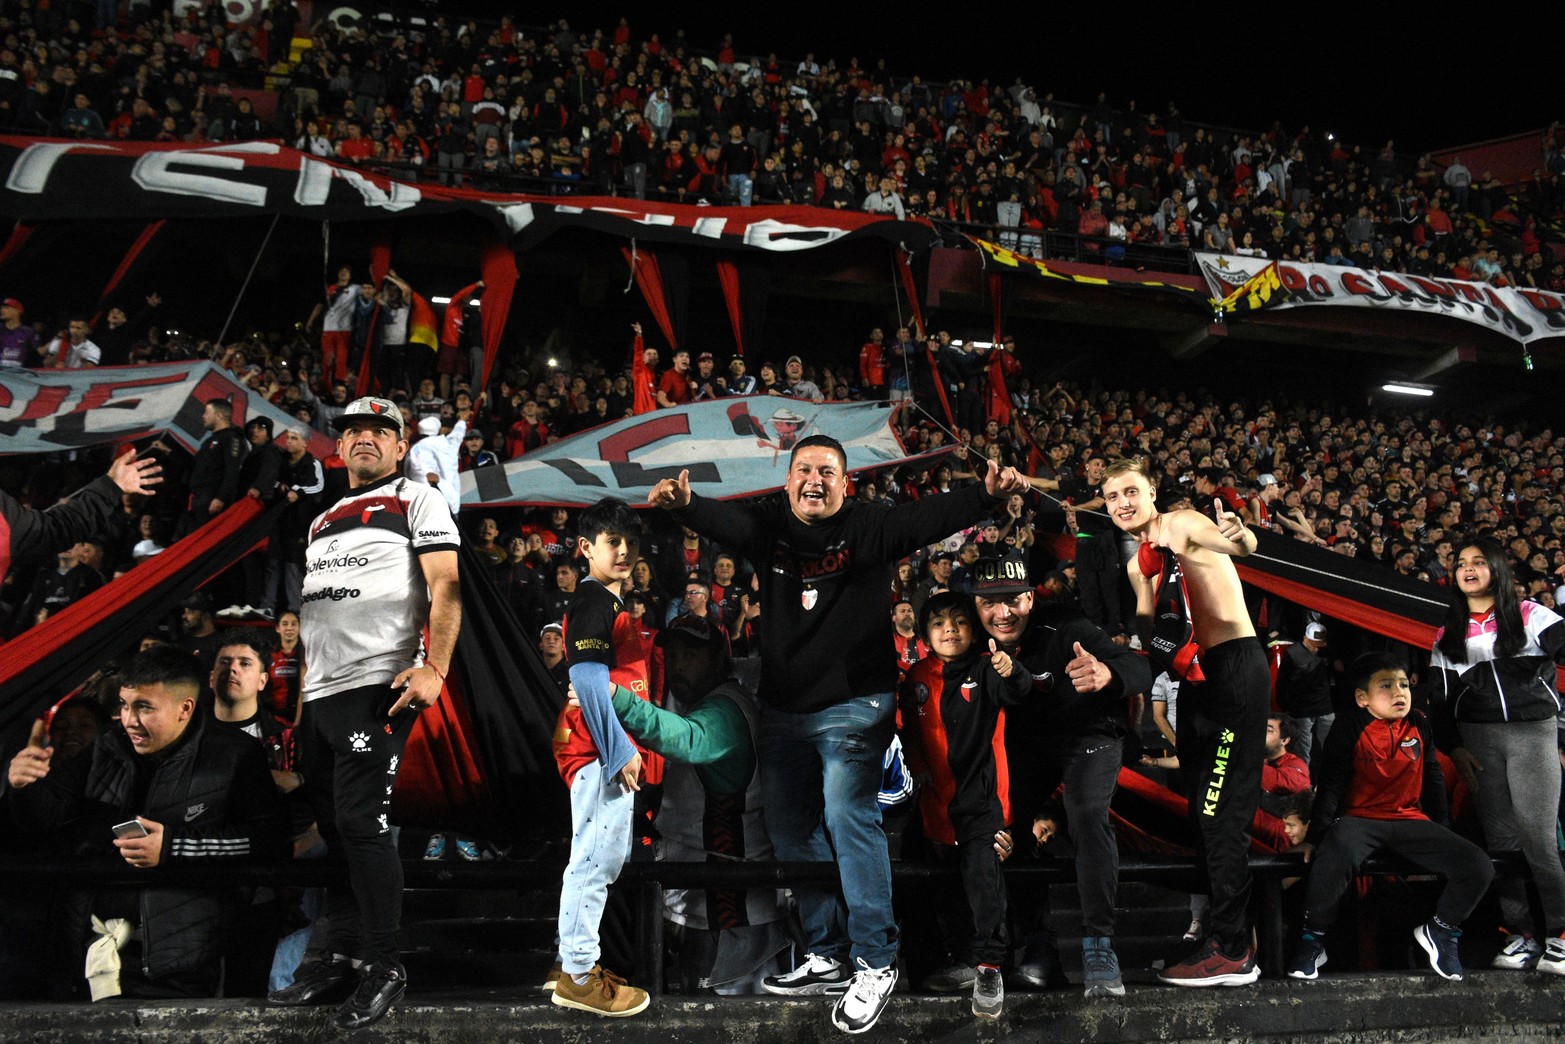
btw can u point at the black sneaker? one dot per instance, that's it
(321, 974)
(381, 985)
(1440, 944)
(816, 976)
(1309, 958)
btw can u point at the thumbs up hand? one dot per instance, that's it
(1000, 660)
(1086, 672)
(31, 762)
(1230, 525)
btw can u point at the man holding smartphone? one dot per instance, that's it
(381, 564)
(168, 788)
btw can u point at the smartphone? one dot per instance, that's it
(129, 828)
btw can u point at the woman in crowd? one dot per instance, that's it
(287, 669)
(1495, 660)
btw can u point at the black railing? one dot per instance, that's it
(648, 880)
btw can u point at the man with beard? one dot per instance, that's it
(1072, 731)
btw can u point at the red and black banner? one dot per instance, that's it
(481, 753)
(1358, 592)
(48, 180)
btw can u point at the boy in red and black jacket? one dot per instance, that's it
(1381, 789)
(952, 726)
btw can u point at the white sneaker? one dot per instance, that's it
(857, 1010)
(1553, 959)
(817, 975)
(1519, 952)
(1193, 933)
(235, 612)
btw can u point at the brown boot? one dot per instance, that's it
(603, 994)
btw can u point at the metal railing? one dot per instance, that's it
(648, 879)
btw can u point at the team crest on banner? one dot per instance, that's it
(808, 597)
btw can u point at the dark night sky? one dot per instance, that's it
(1428, 83)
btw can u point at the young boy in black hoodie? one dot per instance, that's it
(1381, 789)
(952, 726)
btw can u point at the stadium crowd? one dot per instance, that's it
(497, 106)
(1415, 491)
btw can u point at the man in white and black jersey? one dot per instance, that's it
(381, 564)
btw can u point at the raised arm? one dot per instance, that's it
(728, 524)
(1227, 536)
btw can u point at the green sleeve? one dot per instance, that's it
(711, 732)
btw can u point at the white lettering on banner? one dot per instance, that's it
(778, 235)
(711, 227)
(152, 172)
(516, 216)
(640, 217)
(32, 168)
(314, 187)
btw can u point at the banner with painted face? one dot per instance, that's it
(732, 447)
(1524, 315)
(47, 411)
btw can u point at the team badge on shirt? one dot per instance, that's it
(1410, 748)
(808, 597)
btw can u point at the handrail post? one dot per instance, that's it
(649, 932)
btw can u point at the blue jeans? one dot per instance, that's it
(601, 814)
(1312, 735)
(291, 947)
(739, 188)
(820, 773)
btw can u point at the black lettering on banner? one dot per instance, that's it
(574, 471)
(629, 473)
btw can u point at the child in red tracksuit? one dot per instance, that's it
(1381, 789)
(953, 729)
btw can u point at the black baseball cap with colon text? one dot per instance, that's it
(1000, 576)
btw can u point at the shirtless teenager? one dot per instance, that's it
(1191, 615)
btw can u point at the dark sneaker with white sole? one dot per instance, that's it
(1309, 958)
(1210, 966)
(815, 977)
(1439, 943)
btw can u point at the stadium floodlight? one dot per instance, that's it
(1407, 389)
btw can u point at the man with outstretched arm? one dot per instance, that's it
(1193, 623)
(27, 533)
(827, 692)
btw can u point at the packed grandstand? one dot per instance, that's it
(641, 154)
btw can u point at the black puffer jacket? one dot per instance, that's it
(215, 799)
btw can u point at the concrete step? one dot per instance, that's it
(1364, 1009)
